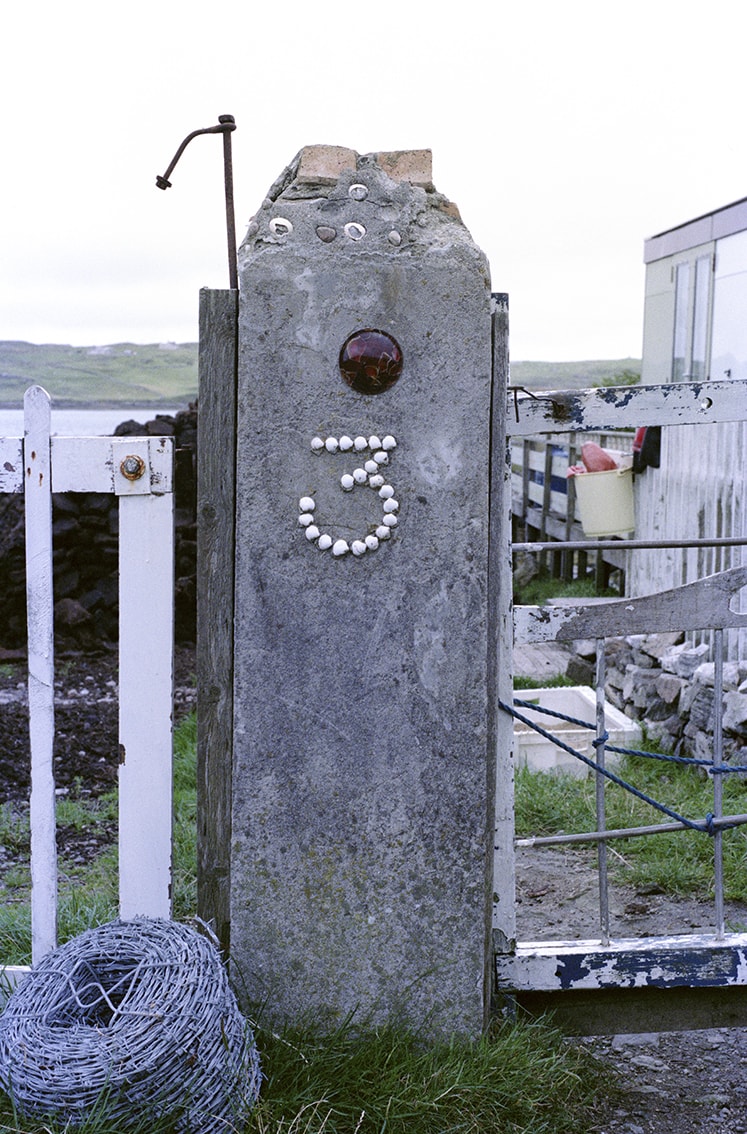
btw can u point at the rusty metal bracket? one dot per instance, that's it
(226, 125)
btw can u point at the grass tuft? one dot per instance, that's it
(680, 863)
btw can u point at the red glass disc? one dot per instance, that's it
(370, 361)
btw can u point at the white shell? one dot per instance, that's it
(386, 492)
(371, 467)
(281, 226)
(340, 547)
(389, 443)
(346, 443)
(347, 482)
(360, 443)
(324, 541)
(381, 457)
(354, 230)
(376, 481)
(358, 547)
(390, 520)
(306, 504)
(316, 444)
(383, 532)
(305, 519)
(391, 505)
(312, 532)
(360, 476)
(372, 542)
(331, 444)
(374, 442)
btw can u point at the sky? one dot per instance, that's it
(565, 132)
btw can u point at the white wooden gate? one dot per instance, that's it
(139, 470)
(537, 974)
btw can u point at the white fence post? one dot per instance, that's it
(140, 471)
(40, 618)
(146, 635)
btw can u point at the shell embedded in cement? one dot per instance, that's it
(281, 226)
(383, 532)
(305, 519)
(374, 442)
(340, 547)
(376, 480)
(391, 505)
(347, 482)
(360, 476)
(390, 520)
(307, 504)
(358, 192)
(386, 491)
(388, 443)
(324, 542)
(331, 444)
(360, 443)
(358, 547)
(316, 444)
(354, 230)
(372, 542)
(371, 467)
(382, 457)
(346, 443)
(312, 532)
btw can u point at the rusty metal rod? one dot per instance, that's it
(627, 544)
(720, 824)
(226, 125)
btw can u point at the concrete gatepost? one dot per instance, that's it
(363, 763)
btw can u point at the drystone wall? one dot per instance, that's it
(668, 685)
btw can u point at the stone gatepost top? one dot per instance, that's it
(376, 202)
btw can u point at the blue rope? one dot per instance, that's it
(690, 761)
(689, 823)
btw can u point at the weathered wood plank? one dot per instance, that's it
(216, 490)
(626, 407)
(704, 604)
(694, 961)
(501, 645)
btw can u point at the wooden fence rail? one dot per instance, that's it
(139, 471)
(543, 498)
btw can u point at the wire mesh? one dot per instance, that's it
(133, 1019)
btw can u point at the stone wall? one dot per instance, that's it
(85, 532)
(668, 685)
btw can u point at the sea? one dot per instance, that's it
(84, 422)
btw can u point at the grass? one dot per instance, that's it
(358, 1080)
(680, 863)
(127, 373)
(88, 894)
(544, 587)
(520, 1077)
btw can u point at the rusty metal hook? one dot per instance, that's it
(227, 124)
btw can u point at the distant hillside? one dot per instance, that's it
(575, 375)
(166, 373)
(124, 373)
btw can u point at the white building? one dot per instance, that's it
(695, 329)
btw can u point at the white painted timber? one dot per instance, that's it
(11, 464)
(704, 604)
(693, 961)
(627, 407)
(145, 695)
(40, 616)
(38, 465)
